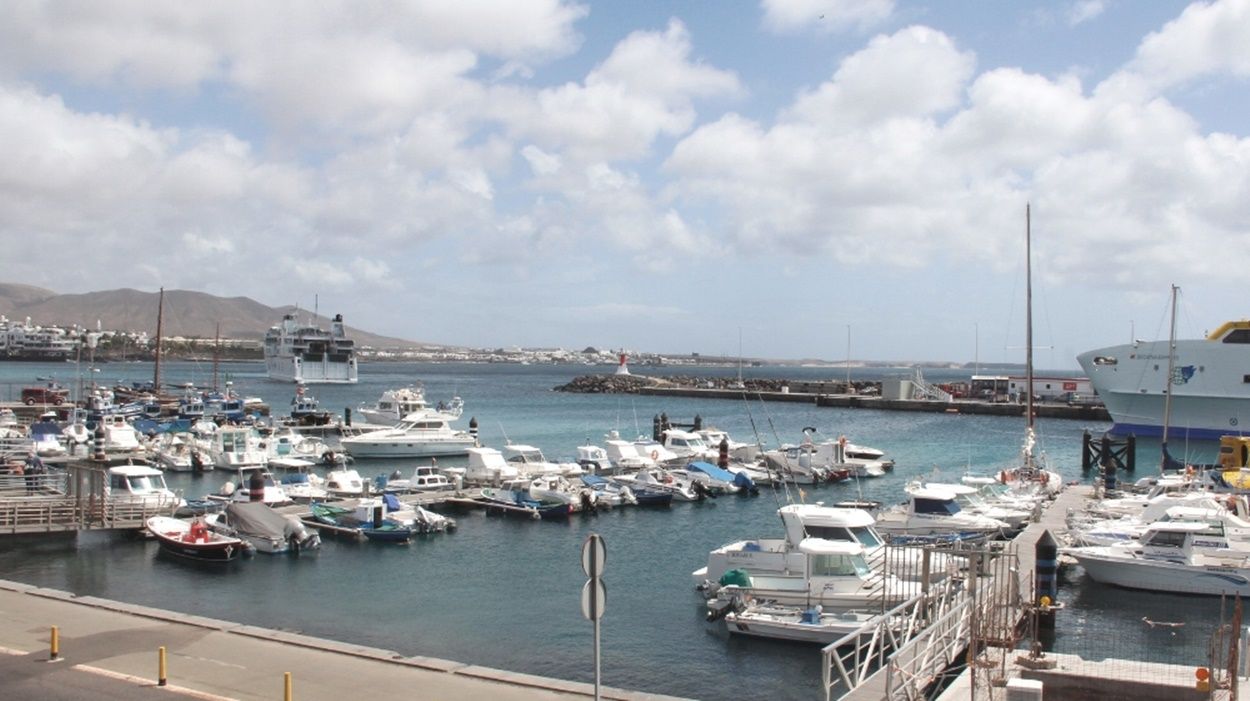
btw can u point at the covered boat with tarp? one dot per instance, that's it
(268, 530)
(717, 475)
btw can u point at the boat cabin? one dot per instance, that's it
(803, 521)
(138, 482)
(934, 502)
(487, 466)
(834, 558)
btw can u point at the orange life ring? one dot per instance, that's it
(655, 455)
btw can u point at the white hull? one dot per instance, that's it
(1210, 397)
(790, 624)
(1107, 566)
(285, 369)
(408, 448)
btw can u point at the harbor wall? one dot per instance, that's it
(961, 406)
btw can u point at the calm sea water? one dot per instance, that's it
(505, 593)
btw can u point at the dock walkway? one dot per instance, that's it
(214, 659)
(917, 664)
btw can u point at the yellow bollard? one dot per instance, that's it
(286, 686)
(160, 678)
(54, 650)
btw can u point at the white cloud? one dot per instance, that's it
(643, 90)
(788, 16)
(1085, 10)
(1124, 180)
(1207, 38)
(916, 71)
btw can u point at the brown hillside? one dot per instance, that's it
(186, 313)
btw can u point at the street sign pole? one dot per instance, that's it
(594, 594)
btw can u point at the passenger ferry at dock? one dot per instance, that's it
(308, 354)
(1210, 386)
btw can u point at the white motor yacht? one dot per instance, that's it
(833, 574)
(418, 435)
(970, 501)
(782, 557)
(1166, 560)
(140, 484)
(530, 462)
(344, 483)
(237, 449)
(396, 404)
(487, 466)
(935, 514)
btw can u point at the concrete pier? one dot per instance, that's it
(116, 645)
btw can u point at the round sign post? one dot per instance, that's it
(594, 594)
(593, 554)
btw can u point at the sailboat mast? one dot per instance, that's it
(1028, 314)
(1167, 392)
(160, 312)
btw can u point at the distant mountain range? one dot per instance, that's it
(186, 313)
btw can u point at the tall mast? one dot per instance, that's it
(1028, 313)
(1167, 392)
(160, 312)
(1028, 325)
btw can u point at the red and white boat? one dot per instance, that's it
(193, 539)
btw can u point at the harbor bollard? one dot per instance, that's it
(54, 647)
(286, 686)
(161, 678)
(1046, 583)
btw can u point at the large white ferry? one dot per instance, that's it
(1210, 384)
(309, 354)
(26, 341)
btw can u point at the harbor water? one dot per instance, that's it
(504, 593)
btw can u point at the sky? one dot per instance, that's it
(782, 179)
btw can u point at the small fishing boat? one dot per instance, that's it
(194, 540)
(377, 527)
(807, 625)
(267, 530)
(1166, 560)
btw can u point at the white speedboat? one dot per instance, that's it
(487, 466)
(141, 485)
(833, 574)
(530, 462)
(234, 449)
(680, 486)
(970, 501)
(419, 435)
(801, 624)
(553, 488)
(1166, 560)
(256, 486)
(425, 478)
(935, 514)
(178, 452)
(344, 483)
(782, 556)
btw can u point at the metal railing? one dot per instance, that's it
(914, 643)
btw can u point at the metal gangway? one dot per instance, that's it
(923, 390)
(73, 499)
(905, 651)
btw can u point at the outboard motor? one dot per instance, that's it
(746, 485)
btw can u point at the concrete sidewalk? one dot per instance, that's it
(208, 658)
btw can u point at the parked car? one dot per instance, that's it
(44, 395)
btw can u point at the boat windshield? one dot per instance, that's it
(839, 566)
(867, 536)
(144, 483)
(936, 506)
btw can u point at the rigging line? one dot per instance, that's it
(785, 457)
(759, 444)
